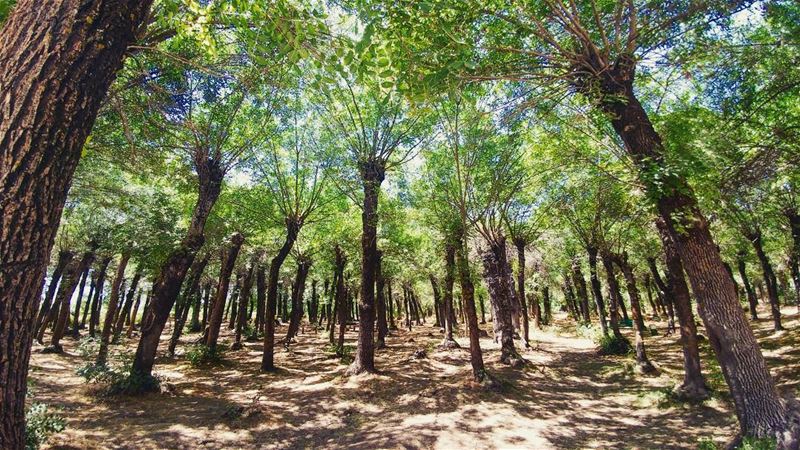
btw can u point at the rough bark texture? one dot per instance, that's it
(191, 293)
(759, 408)
(69, 281)
(244, 300)
(663, 293)
(613, 294)
(497, 274)
(64, 257)
(447, 296)
(261, 295)
(268, 357)
(94, 317)
(59, 59)
(748, 289)
(127, 304)
(340, 299)
(210, 173)
(694, 385)
(580, 288)
(226, 268)
(372, 175)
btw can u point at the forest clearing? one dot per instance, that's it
(399, 224)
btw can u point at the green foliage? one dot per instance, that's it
(119, 379)
(201, 355)
(612, 345)
(40, 423)
(345, 353)
(748, 443)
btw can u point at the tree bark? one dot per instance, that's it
(64, 257)
(663, 293)
(769, 278)
(59, 59)
(613, 293)
(190, 292)
(111, 310)
(126, 305)
(76, 322)
(97, 300)
(468, 298)
(638, 320)
(340, 299)
(596, 289)
(69, 280)
(496, 273)
(520, 245)
(268, 357)
(694, 385)
(298, 290)
(759, 408)
(372, 175)
(244, 301)
(748, 289)
(580, 287)
(380, 285)
(226, 268)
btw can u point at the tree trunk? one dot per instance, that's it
(127, 303)
(111, 310)
(226, 268)
(69, 280)
(664, 293)
(380, 284)
(233, 304)
(59, 59)
(769, 279)
(613, 293)
(76, 322)
(244, 301)
(64, 257)
(596, 290)
(759, 408)
(496, 273)
(261, 295)
(580, 287)
(520, 244)
(748, 289)
(167, 285)
(372, 175)
(268, 357)
(638, 320)
(648, 284)
(88, 304)
(298, 290)
(134, 313)
(694, 385)
(341, 299)
(191, 291)
(97, 300)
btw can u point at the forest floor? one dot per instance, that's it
(568, 397)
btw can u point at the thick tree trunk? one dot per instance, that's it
(298, 290)
(496, 273)
(638, 320)
(372, 175)
(380, 284)
(210, 173)
(694, 385)
(596, 289)
(769, 279)
(97, 300)
(111, 310)
(759, 408)
(59, 59)
(227, 262)
(268, 357)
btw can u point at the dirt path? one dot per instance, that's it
(568, 397)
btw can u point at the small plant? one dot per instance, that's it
(202, 355)
(41, 423)
(612, 345)
(345, 354)
(250, 333)
(748, 443)
(88, 347)
(119, 379)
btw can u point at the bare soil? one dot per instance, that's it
(567, 397)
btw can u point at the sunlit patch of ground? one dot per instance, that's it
(567, 397)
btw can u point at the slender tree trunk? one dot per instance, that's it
(638, 320)
(468, 297)
(268, 357)
(748, 288)
(206, 301)
(447, 300)
(380, 284)
(663, 293)
(191, 293)
(127, 303)
(64, 257)
(134, 314)
(759, 408)
(88, 304)
(392, 324)
(69, 280)
(580, 287)
(97, 300)
(76, 322)
(218, 306)
(111, 310)
(613, 293)
(244, 301)
(55, 75)
(372, 175)
(596, 289)
(261, 295)
(298, 290)
(233, 304)
(520, 244)
(769, 279)
(341, 300)
(648, 284)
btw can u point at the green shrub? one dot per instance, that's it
(612, 345)
(202, 355)
(120, 379)
(250, 332)
(40, 423)
(345, 354)
(88, 347)
(748, 443)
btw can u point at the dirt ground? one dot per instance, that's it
(568, 397)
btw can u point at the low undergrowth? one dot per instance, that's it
(200, 355)
(119, 378)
